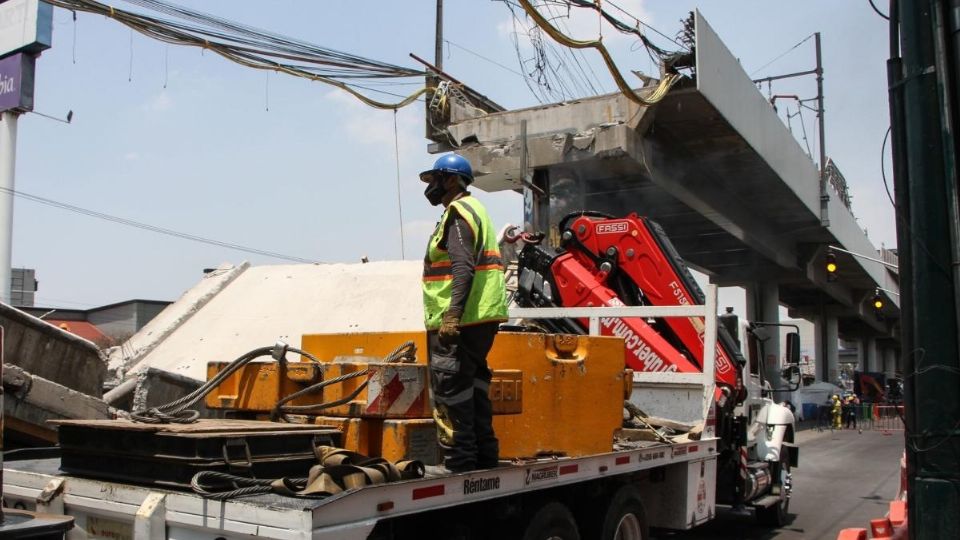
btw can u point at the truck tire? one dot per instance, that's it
(776, 515)
(625, 518)
(552, 521)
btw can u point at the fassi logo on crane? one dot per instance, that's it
(613, 227)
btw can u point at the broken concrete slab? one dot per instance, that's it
(152, 388)
(30, 401)
(168, 320)
(51, 353)
(264, 304)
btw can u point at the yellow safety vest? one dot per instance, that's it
(487, 300)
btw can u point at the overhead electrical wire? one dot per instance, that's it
(252, 47)
(880, 13)
(480, 56)
(151, 228)
(572, 53)
(627, 29)
(784, 53)
(668, 79)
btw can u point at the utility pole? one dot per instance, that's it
(438, 46)
(8, 154)
(923, 105)
(824, 194)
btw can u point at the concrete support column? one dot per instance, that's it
(890, 361)
(826, 343)
(871, 355)
(763, 305)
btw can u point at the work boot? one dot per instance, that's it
(432, 471)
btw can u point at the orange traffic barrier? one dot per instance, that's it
(892, 527)
(881, 528)
(898, 513)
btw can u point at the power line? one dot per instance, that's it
(251, 47)
(880, 13)
(151, 228)
(480, 56)
(788, 51)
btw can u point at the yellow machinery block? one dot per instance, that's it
(258, 386)
(410, 439)
(361, 435)
(573, 389)
(394, 440)
(506, 391)
(326, 347)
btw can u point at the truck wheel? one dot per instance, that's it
(776, 515)
(625, 518)
(553, 521)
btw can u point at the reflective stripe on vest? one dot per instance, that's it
(487, 298)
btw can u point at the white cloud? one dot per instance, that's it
(131, 156)
(370, 126)
(161, 102)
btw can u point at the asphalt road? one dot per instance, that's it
(845, 479)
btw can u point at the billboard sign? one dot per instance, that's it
(25, 25)
(16, 82)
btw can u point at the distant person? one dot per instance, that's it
(464, 302)
(836, 410)
(851, 408)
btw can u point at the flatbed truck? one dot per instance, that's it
(618, 494)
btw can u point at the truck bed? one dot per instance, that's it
(127, 511)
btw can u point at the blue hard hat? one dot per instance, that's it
(452, 164)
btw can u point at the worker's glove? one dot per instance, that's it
(449, 332)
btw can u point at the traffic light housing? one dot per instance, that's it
(877, 303)
(831, 266)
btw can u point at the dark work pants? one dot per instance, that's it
(460, 380)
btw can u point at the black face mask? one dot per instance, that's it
(435, 192)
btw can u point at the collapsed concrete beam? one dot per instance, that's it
(30, 401)
(170, 319)
(51, 353)
(558, 133)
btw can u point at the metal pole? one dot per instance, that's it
(438, 57)
(824, 195)
(8, 152)
(931, 363)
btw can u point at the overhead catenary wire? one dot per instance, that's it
(152, 228)
(781, 55)
(252, 47)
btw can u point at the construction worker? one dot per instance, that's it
(852, 407)
(464, 302)
(836, 410)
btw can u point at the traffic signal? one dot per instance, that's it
(831, 266)
(877, 302)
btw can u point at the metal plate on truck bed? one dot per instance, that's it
(171, 454)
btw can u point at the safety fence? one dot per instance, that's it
(887, 418)
(866, 416)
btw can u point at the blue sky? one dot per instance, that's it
(182, 139)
